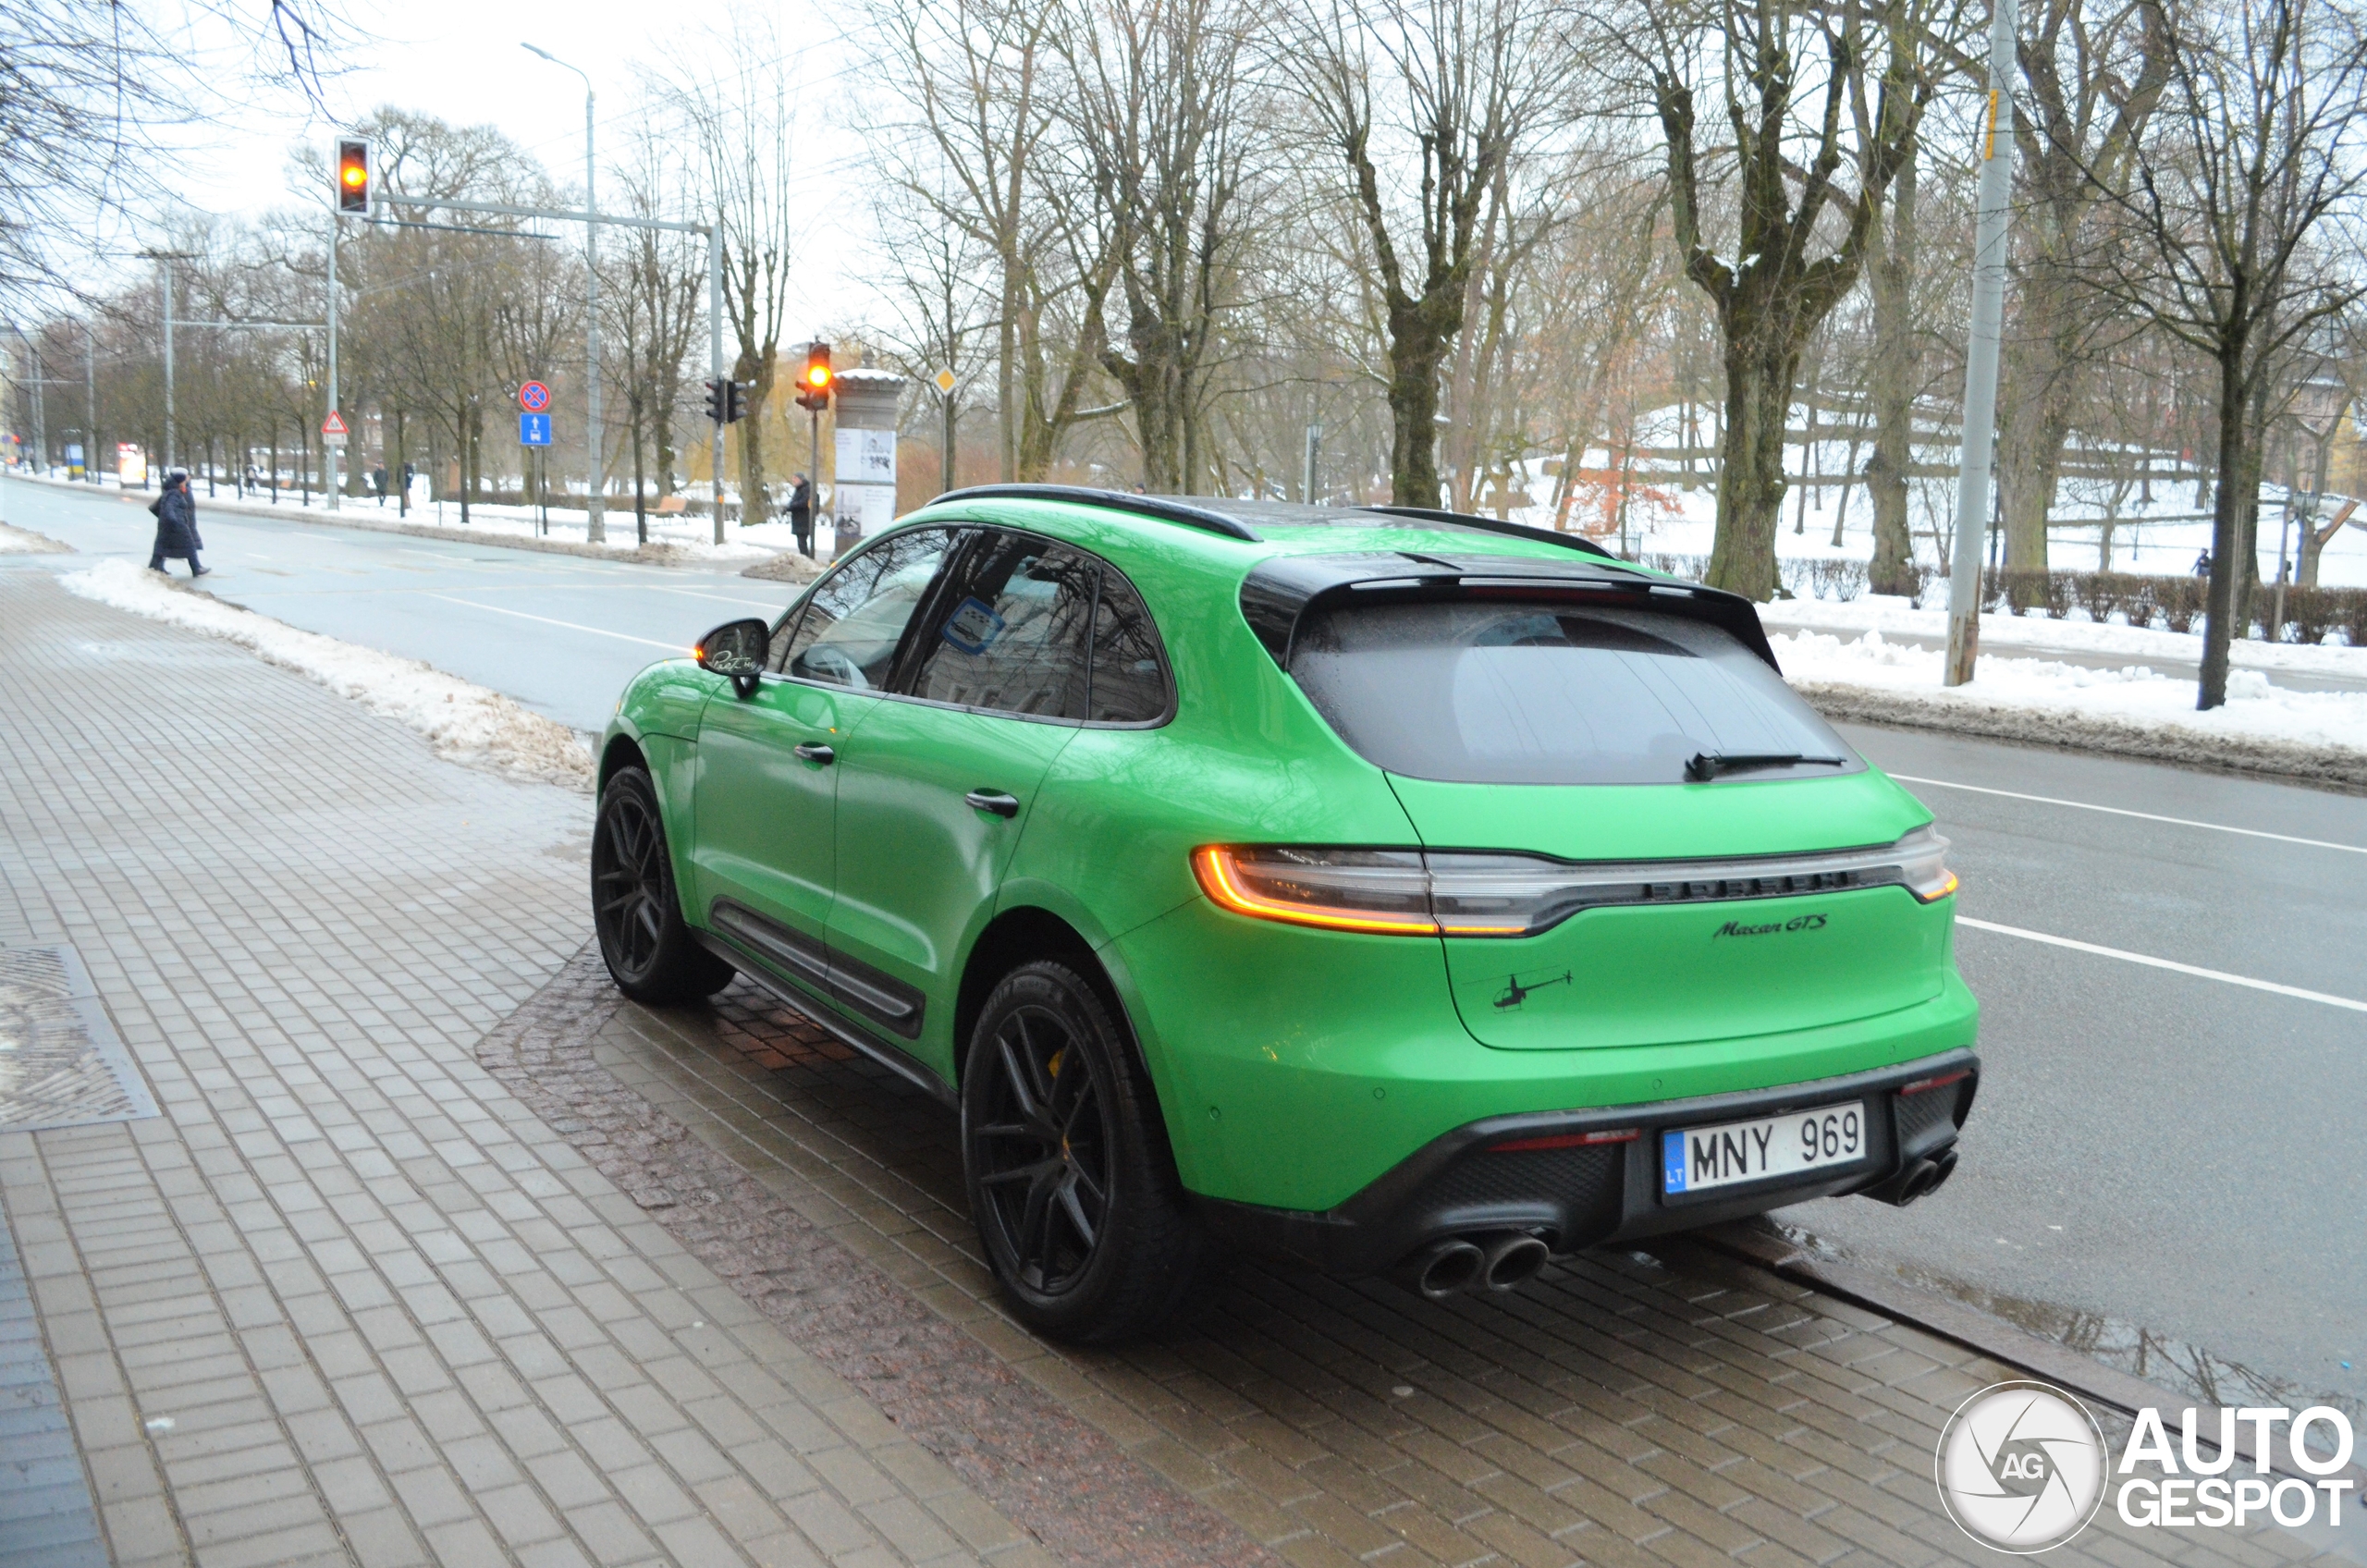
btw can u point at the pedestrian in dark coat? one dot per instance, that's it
(800, 515)
(175, 515)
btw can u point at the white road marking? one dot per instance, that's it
(2152, 962)
(676, 648)
(718, 598)
(2142, 815)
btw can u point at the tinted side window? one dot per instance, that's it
(1129, 676)
(1009, 629)
(848, 629)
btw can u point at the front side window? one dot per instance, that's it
(1548, 691)
(850, 625)
(1010, 631)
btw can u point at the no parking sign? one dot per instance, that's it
(533, 397)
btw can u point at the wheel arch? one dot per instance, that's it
(621, 752)
(1019, 935)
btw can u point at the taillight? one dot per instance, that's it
(1923, 865)
(1448, 893)
(1378, 890)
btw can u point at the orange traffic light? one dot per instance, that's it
(814, 392)
(353, 176)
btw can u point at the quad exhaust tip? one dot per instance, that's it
(1920, 1180)
(1499, 1262)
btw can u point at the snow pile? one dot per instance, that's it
(1878, 612)
(2133, 710)
(22, 541)
(462, 721)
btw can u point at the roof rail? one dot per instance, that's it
(1493, 525)
(1117, 500)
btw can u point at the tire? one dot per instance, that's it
(1070, 1174)
(649, 947)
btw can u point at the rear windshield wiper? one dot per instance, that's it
(1706, 766)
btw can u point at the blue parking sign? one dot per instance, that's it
(533, 430)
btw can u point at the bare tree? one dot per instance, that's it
(1426, 103)
(2232, 230)
(1785, 276)
(2094, 75)
(1157, 102)
(735, 99)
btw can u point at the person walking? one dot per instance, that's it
(800, 515)
(176, 514)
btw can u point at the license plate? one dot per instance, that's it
(1694, 1159)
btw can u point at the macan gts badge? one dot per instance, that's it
(1367, 889)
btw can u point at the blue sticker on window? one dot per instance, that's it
(973, 627)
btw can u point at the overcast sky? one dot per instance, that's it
(460, 60)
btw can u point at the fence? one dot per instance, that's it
(2174, 604)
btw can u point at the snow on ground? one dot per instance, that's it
(685, 538)
(2255, 711)
(1876, 612)
(23, 542)
(462, 721)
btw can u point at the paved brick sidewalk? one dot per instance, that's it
(347, 1299)
(1634, 1409)
(440, 1252)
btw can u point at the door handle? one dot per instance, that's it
(823, 755)
(994, 801)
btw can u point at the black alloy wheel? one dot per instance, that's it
(1070, 1176)
(649, 949)
(1044, 1156)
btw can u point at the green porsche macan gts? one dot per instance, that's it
(1367, 889)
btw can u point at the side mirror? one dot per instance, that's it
(736, 648)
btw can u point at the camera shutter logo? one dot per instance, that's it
(2021, 1467)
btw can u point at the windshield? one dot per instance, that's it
(1547, 692)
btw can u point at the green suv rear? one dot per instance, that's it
(1367, 890)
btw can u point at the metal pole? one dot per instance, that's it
(2307, 514)
(328, 452)
(715, 353)
(1981, 353)
(951, 426)
(90, 391)
(40, 415)
(816, 415)
(596, 525)
(168, 364)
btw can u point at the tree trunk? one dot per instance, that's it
(1415, 350)
(1895, 372)
(2040, 390)
(1761, 367)
(2226, 525)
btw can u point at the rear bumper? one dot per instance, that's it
(1589, 1194)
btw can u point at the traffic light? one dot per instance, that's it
(814, 386)
(353, 176)
(726, 402)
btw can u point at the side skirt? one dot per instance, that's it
(819, 1014)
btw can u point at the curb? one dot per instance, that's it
(1974, 1329)
(2336, 767)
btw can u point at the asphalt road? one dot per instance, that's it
(2158, 1158)
(560, 634)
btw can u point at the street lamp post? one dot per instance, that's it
(594, 526)
(164, 259)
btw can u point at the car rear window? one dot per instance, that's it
(1548, 691)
